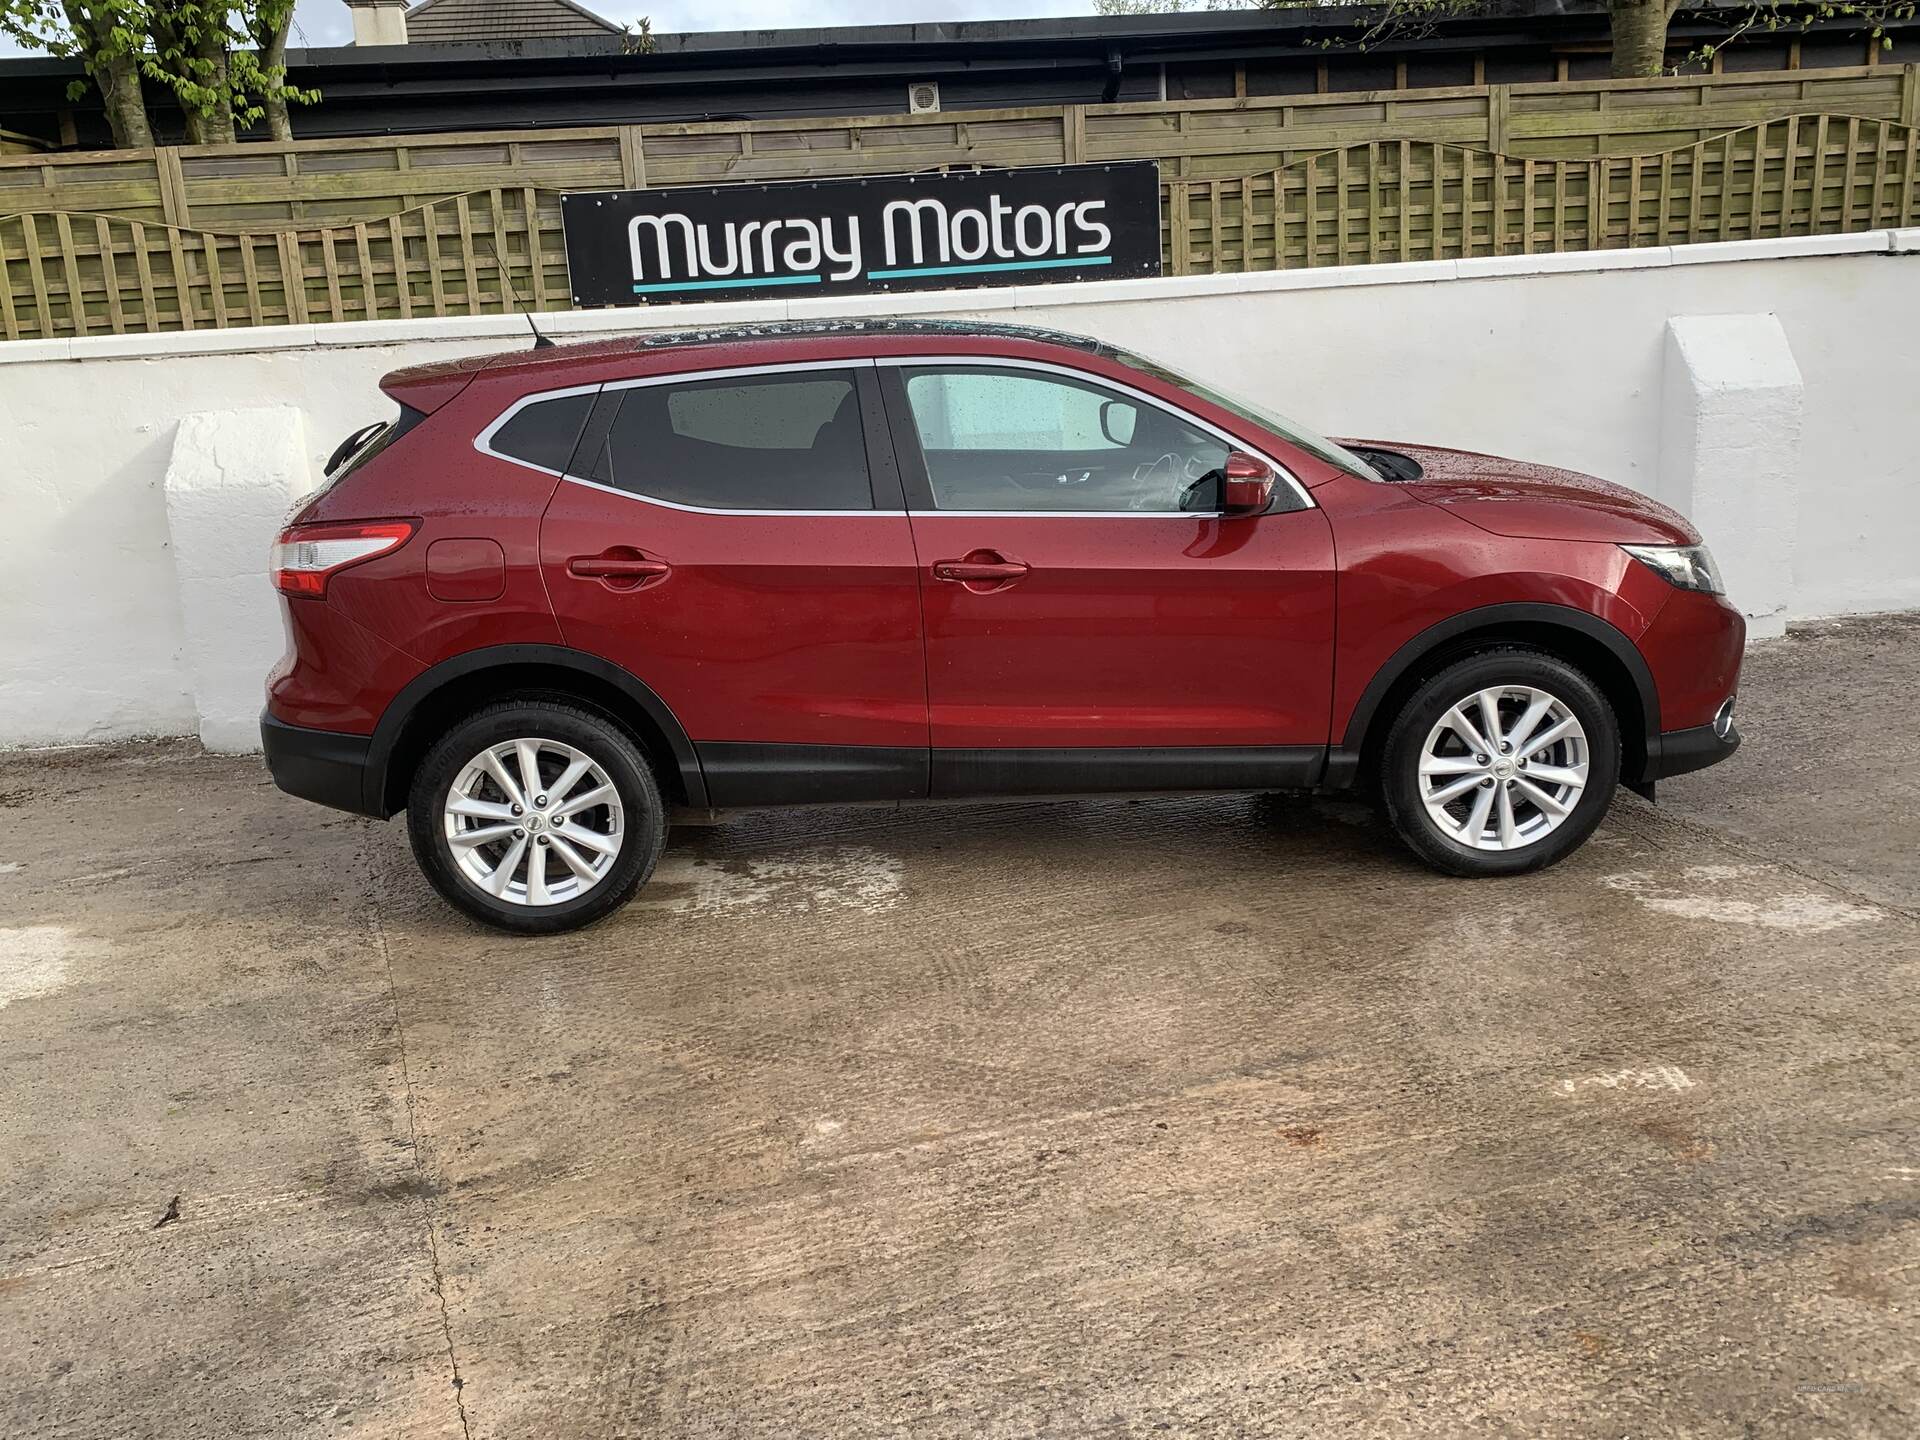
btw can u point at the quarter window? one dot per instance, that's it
(761, 442)
(1022, 440)
(545, 432)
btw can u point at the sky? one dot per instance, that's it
(326, 22)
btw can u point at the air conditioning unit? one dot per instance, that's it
(923, 99)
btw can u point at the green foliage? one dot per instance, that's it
(94, 36)
(1412, 19)
(220, 61)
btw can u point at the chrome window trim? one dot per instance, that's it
(996, 362)
(725, 372)
(606, 489)
(483, 441)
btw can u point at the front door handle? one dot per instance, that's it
(981, 571)
(621, 568)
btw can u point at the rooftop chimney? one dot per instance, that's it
(379, 22)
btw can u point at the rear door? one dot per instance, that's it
(736, 539)
(1092, 621)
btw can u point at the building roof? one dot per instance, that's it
(452, 21)
(602, 78)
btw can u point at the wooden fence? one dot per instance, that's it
(305, 231)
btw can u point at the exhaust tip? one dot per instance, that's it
(1723, 718)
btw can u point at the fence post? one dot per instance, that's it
(1074, 142)
(1497, 109)
(173, 187)
(1910, 94)
(633, 158)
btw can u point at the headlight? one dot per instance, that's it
(1690, 567)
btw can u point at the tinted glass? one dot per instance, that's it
(1021, 440)
(544, 433)
(763, 442)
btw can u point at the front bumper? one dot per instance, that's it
(323, 766)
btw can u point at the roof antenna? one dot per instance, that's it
(540, 342)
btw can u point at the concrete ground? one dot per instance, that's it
(1199, 1117)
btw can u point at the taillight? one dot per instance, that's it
(305, 557)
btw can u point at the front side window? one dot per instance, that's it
(1261, 415)
(755, 442)
(1027, 440)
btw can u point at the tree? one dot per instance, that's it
(107, 41)
(222, 61)
(1639, 26)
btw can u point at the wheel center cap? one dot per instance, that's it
(536, 822)
(1503, 768)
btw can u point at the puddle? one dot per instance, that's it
(846, 877)
(1655, 1077)
(1739, 895)
(34, 960)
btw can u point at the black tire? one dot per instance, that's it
(1508, 665)
(606, 744)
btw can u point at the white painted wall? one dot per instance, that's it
(1558, 358)
(233, 478)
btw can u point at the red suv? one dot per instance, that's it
(569, 589)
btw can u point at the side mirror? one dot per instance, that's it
(1118, 420)
(1246, 487)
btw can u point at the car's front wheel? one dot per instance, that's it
(1501, 763)
(536, 816)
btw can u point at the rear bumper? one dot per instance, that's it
(1679, 751)
(323, 766)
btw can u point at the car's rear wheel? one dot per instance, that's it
(1503, 762)
(536, 817)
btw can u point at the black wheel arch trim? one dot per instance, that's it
(1343, 763)
(416, 692)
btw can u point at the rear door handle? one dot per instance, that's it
(620, 569)
(981, 571)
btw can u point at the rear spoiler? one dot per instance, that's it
(427, 387)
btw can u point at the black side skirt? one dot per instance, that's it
(1102, 772)
(745, 775)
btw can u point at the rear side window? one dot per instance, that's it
(545, 432)
(760, 442)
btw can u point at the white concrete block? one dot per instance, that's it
(1730, 447)
(1780, 247)
(429, 327)
(670, 317)
(193, 342)
(232, 479)
(23, 352)
(1565, 262)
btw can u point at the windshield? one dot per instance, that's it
(1259, 415)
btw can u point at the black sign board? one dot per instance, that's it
(891, 232)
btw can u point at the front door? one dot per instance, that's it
(1090, 622)
(725, 538)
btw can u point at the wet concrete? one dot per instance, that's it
(1204, 1117)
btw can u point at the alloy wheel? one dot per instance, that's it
(1503, 768)
(534, 822)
